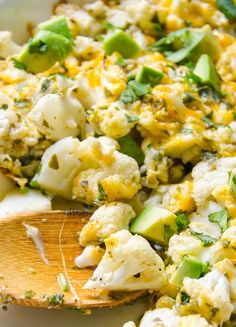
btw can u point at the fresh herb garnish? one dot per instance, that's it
(29, 294)
(4, 106)
(184, 298)
(228, 8)
(101, 193)
(45, 85)
(129, 146)
(206, 240)
(132, 119)
(181, 221)
(53, 162)
(56, 299)
(187, 98)
(168, 232)
(22, 103)
(220, 217)
(133, 91)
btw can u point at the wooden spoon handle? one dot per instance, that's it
(25, 279)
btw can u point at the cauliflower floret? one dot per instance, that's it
(227, 268)
(112, 120)
(169, 318)
(106, 220)
(7, 46)
(186, 244)
(225, 247)
(209, 295)
(7, 119)
(200, 221)
(17, 202)
(86, 46)
(176, 197)
(105, 174)
(129, 263)
(208, 175)
(91, 256)
(58, 116)
(59, 165)
(103, 80)
(129, 324)
(140, 12)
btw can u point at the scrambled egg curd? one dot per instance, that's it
(128, 109)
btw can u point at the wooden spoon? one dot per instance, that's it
(25, 278)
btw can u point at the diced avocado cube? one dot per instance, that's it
(206, 71)
(232, 181)
(56, 25)
(147, 75)
(118, 40)
(131, 148)
(44, 50)
(190, 267)
(155, 224)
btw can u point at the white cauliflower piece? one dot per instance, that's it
(207, 176)
(7, 119)
(91, 256)
(169, 318)
(106, 220)
(85, 46)
(186, 244)
(200, 222)
(17, 202)
(58, 116)
(206, 293)
(105, 173)
(226, 65)
(228, 268)
(129, 263)
(7, 46)
(59, 165)
(225, 247)
(129, 324)
(112, 120)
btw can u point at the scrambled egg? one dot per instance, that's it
(132, 107)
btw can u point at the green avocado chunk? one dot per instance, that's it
(190, 267)
(118, 40)
(56, 25)
(155, 224)
(131, 148)
(147, 75)
(207, 72)
(44, 50)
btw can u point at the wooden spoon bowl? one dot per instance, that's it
(25, 279)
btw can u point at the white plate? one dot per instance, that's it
(14, 16)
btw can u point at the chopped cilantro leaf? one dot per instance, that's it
(101, 193)
(220, 217)
(39, 47)
(45, 85)
(184, 297)
(228, 8)
(206, 240)
(56, 299)
(133, 91)
(181, 221)
(4, 106)
(29, 294)
(34, 184)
